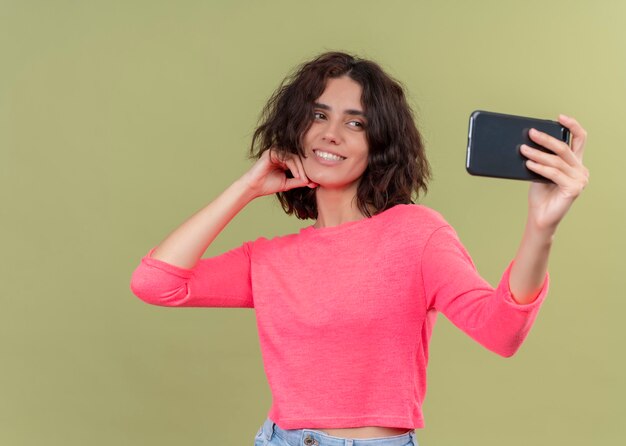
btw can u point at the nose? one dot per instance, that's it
(331, 132)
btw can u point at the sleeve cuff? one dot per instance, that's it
(185, 273)
(505, 291)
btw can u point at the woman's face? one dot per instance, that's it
(338, 128)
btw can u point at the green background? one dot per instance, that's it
(120, 119)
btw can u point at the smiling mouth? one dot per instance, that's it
(328, 156)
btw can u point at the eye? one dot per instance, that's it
(318, 115)
(357, 124)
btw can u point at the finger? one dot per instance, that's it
(272, 155)
(571, 186)
(559, 147)
(548, 159)
(277, 158)
(298, 161)
(549, 172)
(293, 168)
(300, 167)
(579, 134)
(292, 183)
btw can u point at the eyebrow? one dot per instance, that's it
(348, 112)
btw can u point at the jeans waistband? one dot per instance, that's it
(312, 437)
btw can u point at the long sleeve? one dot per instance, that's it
(453, 286)
(220, 281)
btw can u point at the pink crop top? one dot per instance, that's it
(345, 313)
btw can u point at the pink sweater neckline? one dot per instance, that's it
(348, 224)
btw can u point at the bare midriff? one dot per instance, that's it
(365, 432)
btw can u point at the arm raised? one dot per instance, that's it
(185, 245)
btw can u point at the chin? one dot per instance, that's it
(330, 185)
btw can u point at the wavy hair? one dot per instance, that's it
(397, 166)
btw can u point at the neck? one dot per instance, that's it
(335, 207)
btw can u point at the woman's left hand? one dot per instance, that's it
(547, 202)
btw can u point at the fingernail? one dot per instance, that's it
(563, 116)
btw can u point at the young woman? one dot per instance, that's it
(345, 307)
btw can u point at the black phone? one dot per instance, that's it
(494, 141)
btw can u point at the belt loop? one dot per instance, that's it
(348, 442)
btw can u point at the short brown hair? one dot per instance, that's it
(397, 165)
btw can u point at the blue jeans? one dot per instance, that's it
(270, 434)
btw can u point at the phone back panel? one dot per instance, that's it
(494, 141)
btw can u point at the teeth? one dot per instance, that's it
(328, 156)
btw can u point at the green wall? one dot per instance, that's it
(120, 119)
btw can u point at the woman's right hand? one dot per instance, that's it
(268, 175)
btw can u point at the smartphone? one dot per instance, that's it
(494, 141)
